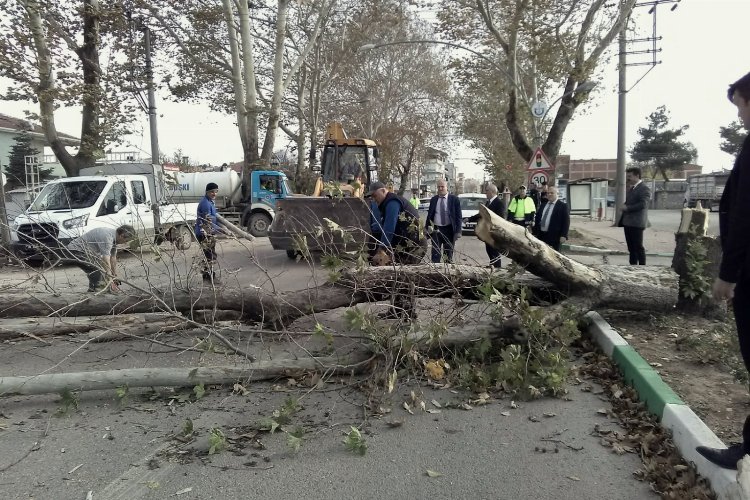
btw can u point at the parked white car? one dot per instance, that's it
(470, 206)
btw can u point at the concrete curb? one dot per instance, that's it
(605, 251)
(688, 430)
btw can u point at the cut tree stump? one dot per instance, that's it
(692, 238)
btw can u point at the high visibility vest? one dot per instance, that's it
(521, 207)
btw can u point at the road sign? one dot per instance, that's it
(538, 176)
(539, 160)
(538, 109)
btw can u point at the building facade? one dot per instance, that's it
(433, 170)
(11, 127)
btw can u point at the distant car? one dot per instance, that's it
(424, 204)
(610, 200)
(470, 206)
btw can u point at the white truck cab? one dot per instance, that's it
(67, 208)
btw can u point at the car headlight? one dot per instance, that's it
(75, 222)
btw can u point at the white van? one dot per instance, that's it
(469, 207)
(67, 208)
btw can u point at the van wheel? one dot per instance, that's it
(259, 224)
(182, 238)
(292, 254)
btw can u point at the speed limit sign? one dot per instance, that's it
(538, 176)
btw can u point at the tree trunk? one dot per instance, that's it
(620, 287)
(696, 260)
(180, 377)
(254, 304)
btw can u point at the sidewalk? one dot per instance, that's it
(604, 235)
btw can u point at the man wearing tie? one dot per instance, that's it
(552, 221)
(634, 218)
(443, 223)
(494, 204)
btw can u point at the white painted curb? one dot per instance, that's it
(604, 334)
(688, 431)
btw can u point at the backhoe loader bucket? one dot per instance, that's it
(320, 225)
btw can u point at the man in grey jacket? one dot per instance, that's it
(634, 218)
(95, 252)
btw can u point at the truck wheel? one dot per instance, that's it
(292, 254)
(183, 237)
(259, 224)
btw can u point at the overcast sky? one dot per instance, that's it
(704, 48)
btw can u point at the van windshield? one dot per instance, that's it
(472, 203)
(68, 195)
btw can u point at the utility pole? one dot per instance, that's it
(621, 102)
(151, 98)
(623, 91)
(4, 229)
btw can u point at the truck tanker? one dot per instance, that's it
(257, 213)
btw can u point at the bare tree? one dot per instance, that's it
(534, 46)
(231, 51)
(52, 52)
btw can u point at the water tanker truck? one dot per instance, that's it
(256, 213)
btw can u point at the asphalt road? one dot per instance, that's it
(544, 449)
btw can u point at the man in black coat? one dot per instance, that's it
(634, 218)
(494, 204)
(733, 282)
(552, 221)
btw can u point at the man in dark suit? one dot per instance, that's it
(494, 204)
(552, 221)
(443, 223)
(733, 282)
(634, 218)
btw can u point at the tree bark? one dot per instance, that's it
(180, 377)
(696, 260)
(254, 304)
(621, 287)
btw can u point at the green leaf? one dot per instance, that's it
(217, 441)
(187, 428)
(355, 443)
(199, 391)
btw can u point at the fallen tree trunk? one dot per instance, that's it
(439, 280)
(254, 304)
(181, 377)
(621, 287)
(45, 326)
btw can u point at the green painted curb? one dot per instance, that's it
(643, 378)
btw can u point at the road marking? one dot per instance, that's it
(133, 484)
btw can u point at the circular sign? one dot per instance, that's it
(538, 109)
(538, 176)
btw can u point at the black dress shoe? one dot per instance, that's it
(726, 458)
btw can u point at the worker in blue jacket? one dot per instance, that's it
(206, 229)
